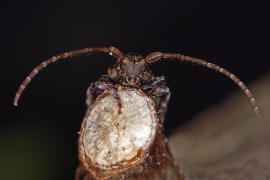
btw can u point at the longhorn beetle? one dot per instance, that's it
(125, 110)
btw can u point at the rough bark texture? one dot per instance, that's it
(158, 166)
(227, 142)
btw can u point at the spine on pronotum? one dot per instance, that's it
(121, 135)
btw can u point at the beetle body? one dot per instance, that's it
(121, 134)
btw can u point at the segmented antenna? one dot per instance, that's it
(110, 50)
(158, 55)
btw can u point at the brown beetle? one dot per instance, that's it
(121, 134)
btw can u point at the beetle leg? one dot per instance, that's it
(157, 81)
(95, 89)
(164, 106)
(161, 95)
(107, 84)
(91, 94)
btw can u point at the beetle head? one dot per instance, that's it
(132, 70)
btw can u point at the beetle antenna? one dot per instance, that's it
(110, 50)
(155, 56)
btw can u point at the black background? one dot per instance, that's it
(39, 137)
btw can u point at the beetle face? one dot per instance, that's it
(131, 71)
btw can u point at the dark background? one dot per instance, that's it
(39, 137)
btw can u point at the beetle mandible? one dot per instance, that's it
(130, 77)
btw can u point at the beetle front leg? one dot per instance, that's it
(158, 81)
(162, 96)
(95, 89)
(91, 94)
(164, 106)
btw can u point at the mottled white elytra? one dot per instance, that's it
(115, 141)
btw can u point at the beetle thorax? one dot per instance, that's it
(131, 71)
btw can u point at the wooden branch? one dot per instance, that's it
(227, 141)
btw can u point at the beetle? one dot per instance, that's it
(129, 82)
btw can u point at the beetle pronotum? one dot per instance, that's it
(122, 128)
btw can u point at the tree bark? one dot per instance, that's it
(227, 141)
